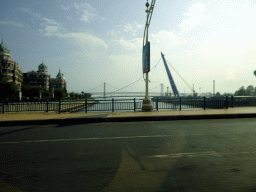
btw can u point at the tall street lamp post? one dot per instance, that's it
(147, 103)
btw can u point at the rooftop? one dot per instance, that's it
(4, 48)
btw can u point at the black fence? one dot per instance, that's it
(159, 103)
(48, 105)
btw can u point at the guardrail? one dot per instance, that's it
(128, 104)
(60, 105)
(160, 103)
(115, 105)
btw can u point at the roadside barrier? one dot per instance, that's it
(159, 103)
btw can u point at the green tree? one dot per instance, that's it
(8, 90)
(32, 92)
(227, 94)
(76, 95)
(87, 95)
(82, 95)
(241, 92)
(59, 93)
(72, 95)
(46, 94)
(250, 90)
(218, 94)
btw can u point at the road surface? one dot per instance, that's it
(191, 155)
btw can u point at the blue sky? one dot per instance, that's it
(95, 41)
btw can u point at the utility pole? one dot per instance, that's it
(147, 103)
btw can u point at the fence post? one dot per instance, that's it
(180, 103)
(59, 106)
(85, 105)
(47, 105)
(232, 101)
(113, 105)
(157, 103)
(3, 106)
(204, 103)
(226, 102)
(134, 105)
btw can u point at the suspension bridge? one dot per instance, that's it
(105, 90)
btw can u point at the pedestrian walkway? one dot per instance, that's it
(29, 118)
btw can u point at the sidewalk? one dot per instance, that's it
(41, 118)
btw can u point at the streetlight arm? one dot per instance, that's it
(151, 9)
(149, 16)
(146, 31)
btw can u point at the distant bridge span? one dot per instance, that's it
(123, 94)
(128, 94)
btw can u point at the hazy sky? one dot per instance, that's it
(97, 41)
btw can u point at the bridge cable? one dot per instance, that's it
(156, 64)
(125, 86)
(179, 75)
(112, 86)
(154, 87)
(134, 81)
(95, 87)
(152, 69)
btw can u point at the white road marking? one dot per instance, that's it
(127, 137)
(198, 154)
(85, 139)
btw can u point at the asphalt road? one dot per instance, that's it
(191, 155)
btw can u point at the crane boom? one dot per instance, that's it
(174, 88)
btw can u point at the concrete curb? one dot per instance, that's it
(86, 120)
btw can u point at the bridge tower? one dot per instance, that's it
(174, 88)
(162, 89)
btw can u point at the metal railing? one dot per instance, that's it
(115, 105)
(159, 103)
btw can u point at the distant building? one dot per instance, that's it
(40, 78)
(8, 68)
(58, 82)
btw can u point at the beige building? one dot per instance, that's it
(58, 82)
(40, 77)
(8, 68)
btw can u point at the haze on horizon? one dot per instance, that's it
(93, 42)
